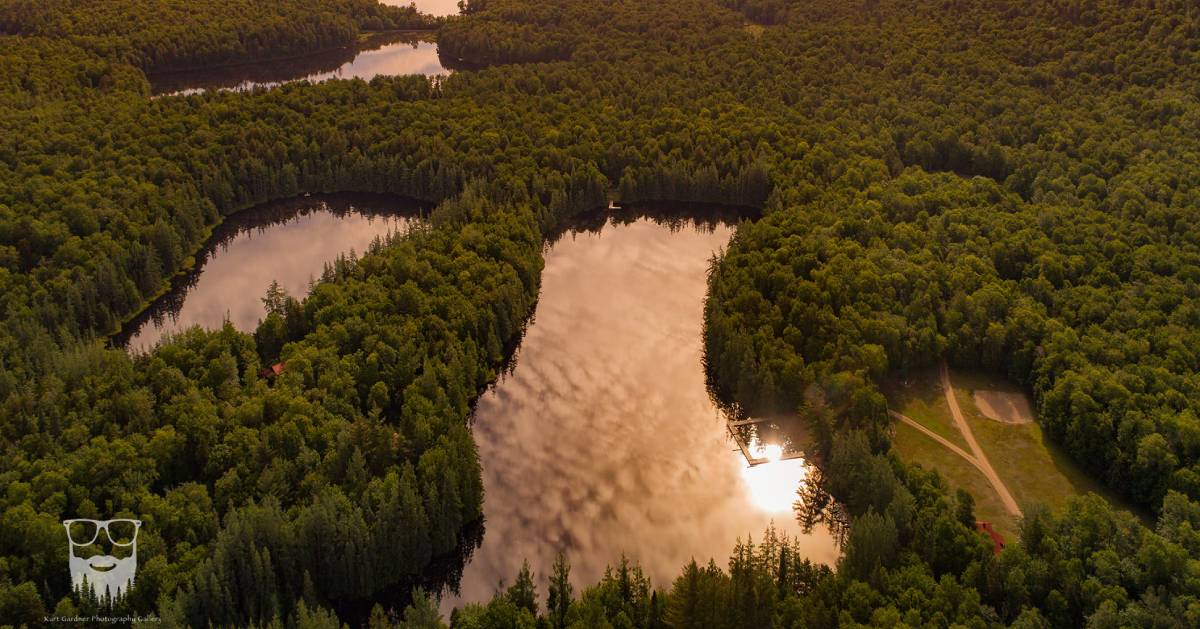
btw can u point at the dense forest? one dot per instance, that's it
(1009, 185)
(159, 35)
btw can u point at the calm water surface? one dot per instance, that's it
(385, 54)
(603, 439)
(289, 242)
(432, 7)
(381, 55)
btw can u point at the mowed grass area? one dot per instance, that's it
(919, 396)
(1034, 470)
(916, 447)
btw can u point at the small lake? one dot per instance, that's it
(289, 242)
(384, 54)
(439, 8)
(379, 54)
(603, 440)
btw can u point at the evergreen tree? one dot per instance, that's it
(558, 600)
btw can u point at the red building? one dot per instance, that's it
(997, 539)
(271, 372)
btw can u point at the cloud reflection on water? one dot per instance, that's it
(603, 441)
(289, 242)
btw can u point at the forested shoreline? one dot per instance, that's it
(1012, 187)
(165, 36)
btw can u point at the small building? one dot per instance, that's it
(997, 539)
(272, 372)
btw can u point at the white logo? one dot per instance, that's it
(106, 576)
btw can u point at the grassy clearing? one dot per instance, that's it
(1035, 470)
(919, 396)
(918, 448)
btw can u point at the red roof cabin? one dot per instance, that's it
(997, 539)
(271, 372)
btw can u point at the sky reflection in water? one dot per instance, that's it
(603, 439)
(289, 242)
(432, 7)
(384, 54)
(387, 55)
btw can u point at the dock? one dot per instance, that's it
(751, 459)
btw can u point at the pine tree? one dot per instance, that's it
(275, 301)
(558, 601)
(523, 592)
(422, 613)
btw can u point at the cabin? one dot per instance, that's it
(272, 372)
(997, 539)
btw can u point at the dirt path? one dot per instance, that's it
(938, 438)
(981, 460)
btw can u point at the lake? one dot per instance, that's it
(380, 54)
(432, 7)
(602, 439)
(383, 54)
(288, 241)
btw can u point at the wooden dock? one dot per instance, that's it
(752, 460)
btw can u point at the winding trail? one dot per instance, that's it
(976, 457)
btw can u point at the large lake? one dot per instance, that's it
(288, 241)
(603, 440)
(600, 440)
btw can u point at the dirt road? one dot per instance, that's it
(938, 438)
(981, 460)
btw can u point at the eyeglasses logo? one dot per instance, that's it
(104, 567)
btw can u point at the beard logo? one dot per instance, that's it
(102, 566)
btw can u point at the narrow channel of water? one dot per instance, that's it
(289, 242)
(603, 441)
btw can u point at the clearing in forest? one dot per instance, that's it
(1027, 466)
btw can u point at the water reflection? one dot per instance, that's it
(772, 486)
(385, 54)
(432, 7)
(289, 242)
(603, 440)
(816, 508)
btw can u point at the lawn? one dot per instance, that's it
(919, 396)
(918, 448)
(1034, 470)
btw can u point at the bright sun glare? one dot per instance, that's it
(773, 484)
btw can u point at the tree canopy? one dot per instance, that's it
(1009, 185)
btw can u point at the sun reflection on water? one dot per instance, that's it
(773, 485)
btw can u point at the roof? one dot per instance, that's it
(272, 371)
(997, 539)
